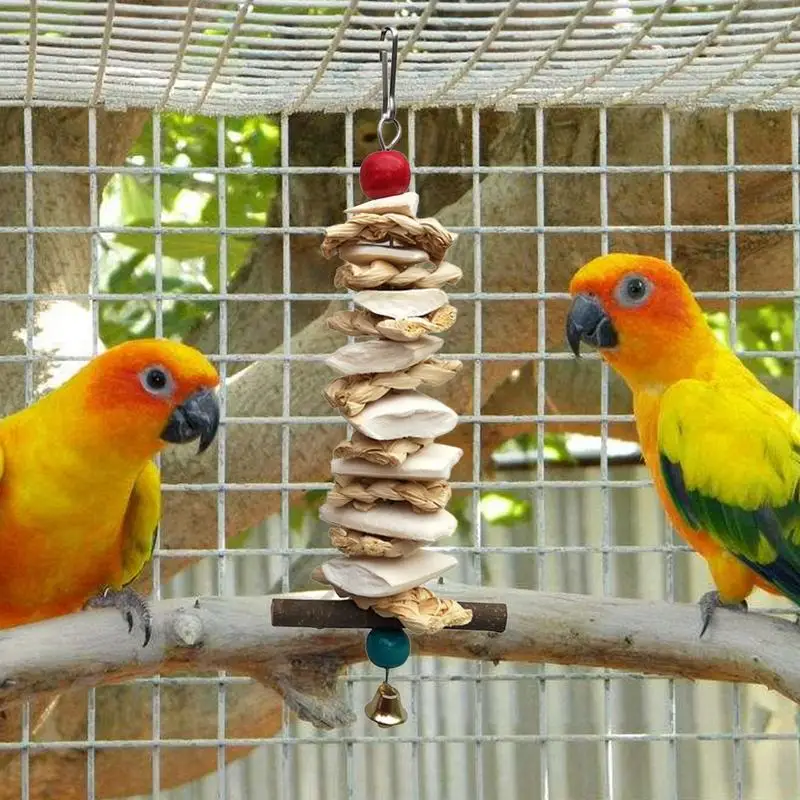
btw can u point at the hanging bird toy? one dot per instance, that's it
(391, 477)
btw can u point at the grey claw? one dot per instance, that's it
(709, 603)
(131, 606)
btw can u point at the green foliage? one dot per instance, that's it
(299, 513)
(189, 202)
(761, 328)
(504, 508)
(553, 449)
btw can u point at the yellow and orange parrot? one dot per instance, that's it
(724, 452)
(80, 496)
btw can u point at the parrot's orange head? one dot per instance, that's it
(640, 314)
(152, 391)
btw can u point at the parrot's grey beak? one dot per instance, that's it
(588, 322)
(196, 417)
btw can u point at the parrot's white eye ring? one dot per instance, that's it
(633, 290)
(156, 380)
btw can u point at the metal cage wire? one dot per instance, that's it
(215, 59)
(481, 734)
(252, 57)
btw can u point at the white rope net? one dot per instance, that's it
(252, 56)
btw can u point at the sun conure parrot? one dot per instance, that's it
(80, 496)
(724, 452)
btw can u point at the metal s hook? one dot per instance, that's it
(389, 77)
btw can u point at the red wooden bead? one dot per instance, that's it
(384, 173)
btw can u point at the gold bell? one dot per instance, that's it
(385, 708)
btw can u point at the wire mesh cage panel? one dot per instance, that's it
(253, 57)
(162, 175)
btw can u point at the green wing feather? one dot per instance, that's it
(731, 464)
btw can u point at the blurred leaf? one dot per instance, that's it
(189, 199)
(298, 512)
(136, 198)
(121, 279)
(185, 246)
(504, 508)
(555, 448)
(767, 327)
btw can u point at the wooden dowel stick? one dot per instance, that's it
(293, 613)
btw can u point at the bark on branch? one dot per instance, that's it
(94, 648)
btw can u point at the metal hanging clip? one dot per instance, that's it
(389, 75)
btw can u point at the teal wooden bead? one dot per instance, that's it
(388, 649)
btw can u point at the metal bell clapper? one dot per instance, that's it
(387, 648)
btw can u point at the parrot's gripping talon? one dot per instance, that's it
(709, 603)
(130, 604)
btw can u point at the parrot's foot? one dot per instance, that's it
(129, 603)
(710, 602)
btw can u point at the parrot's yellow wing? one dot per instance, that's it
(140, 523)
(730, 459)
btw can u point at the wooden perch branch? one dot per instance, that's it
(92, 648)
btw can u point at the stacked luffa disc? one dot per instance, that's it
(391, 478)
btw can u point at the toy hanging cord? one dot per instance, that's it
(391, 477)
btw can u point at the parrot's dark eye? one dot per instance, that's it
(156, 380)
(633, 290)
